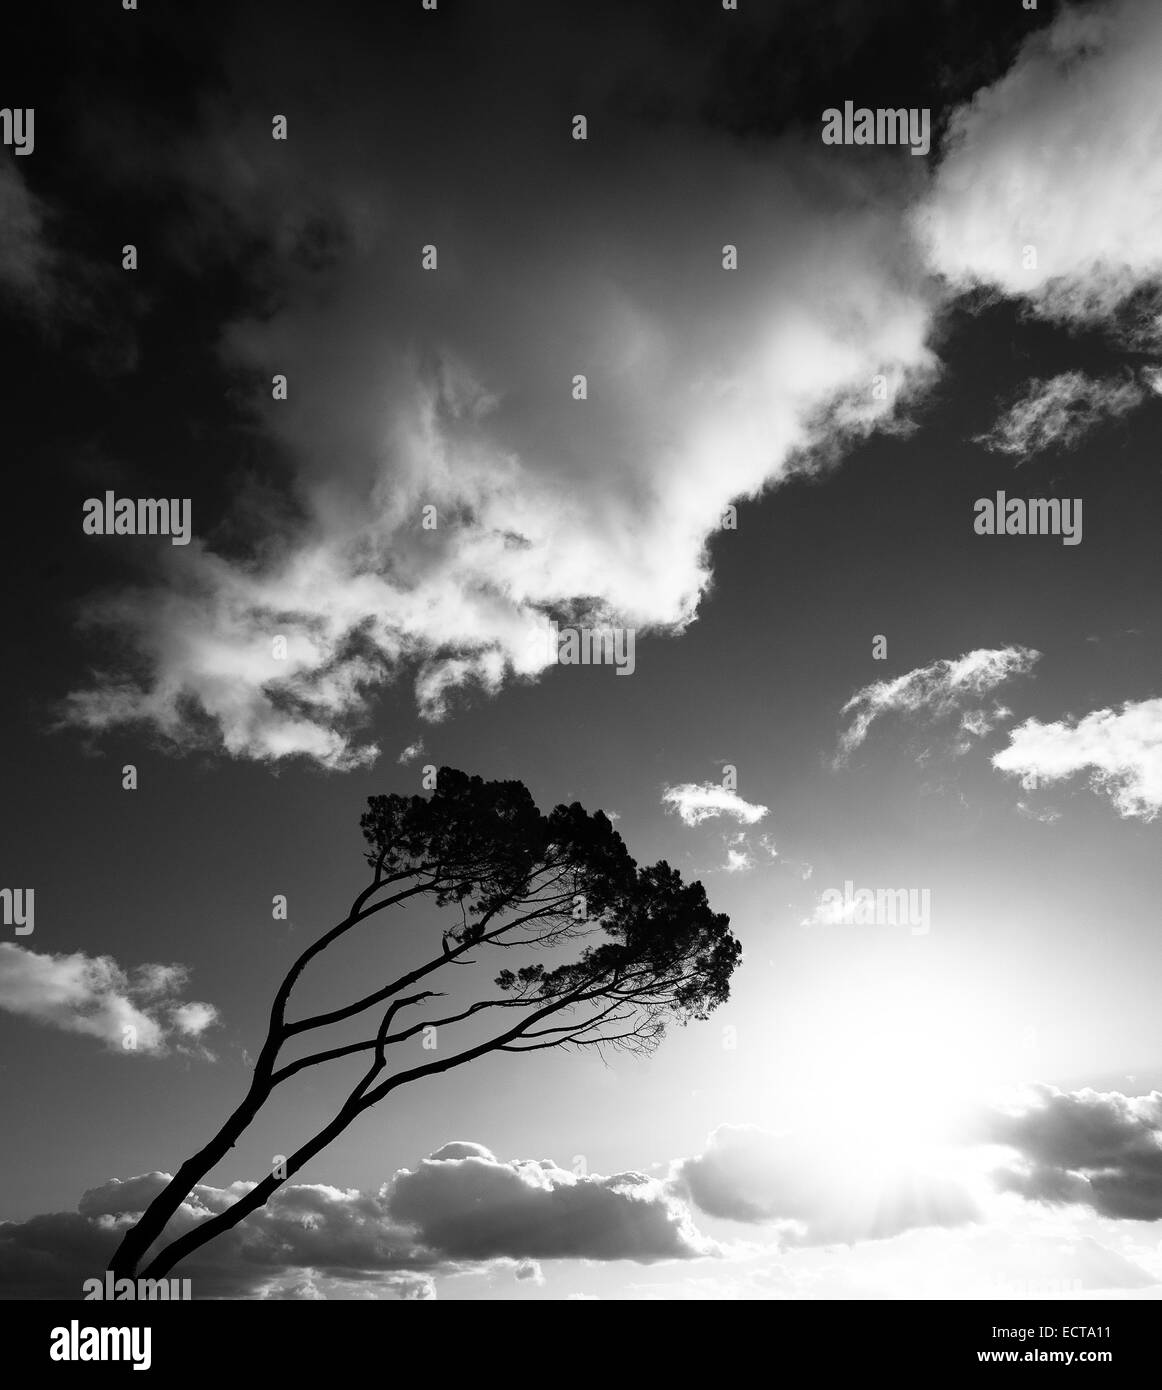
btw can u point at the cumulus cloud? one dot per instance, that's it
(461, 1209)
(747, 1174)
(129, 1012)
(469, 1205)
(696, 802)
(309, 1242)
(1061, 411)
(1059, 156)
(1097, 1149)
(936, 691)
(1120, 749)
(704, 386)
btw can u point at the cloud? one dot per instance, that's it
(25, 261)
(528, 1271)
(1121, 750)
(829, 911)
(1059, 156)
(444, 494)
(150, 981)
(119, 1197)
(452, 389)
(1061, 411)
(95, 996)
(750, 1175)
(936, 691)
(696, 802)
(737, 860)
(1098, 1149)
(467, 1204)
(459, 1210)
(411, 752)
(742, 854)
(193, 1019)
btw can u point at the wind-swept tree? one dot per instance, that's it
(643, 949)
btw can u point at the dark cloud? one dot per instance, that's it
(466, 1203)
(460, 1209)
(1090, 1148)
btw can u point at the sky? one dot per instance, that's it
(917, 761)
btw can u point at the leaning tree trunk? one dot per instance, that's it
(153, 1221)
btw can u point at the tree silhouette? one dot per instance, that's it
(648, 951)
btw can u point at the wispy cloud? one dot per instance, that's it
(411, 752)
(696, 802)
(936, 691)
(1061, 411)
(25, 259)
(129, 1011)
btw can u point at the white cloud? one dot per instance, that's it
(1060, 411)
(193, 1019)
(829, 911)
(697, 802)
(936, 691)
(452, 390)
(705, 386)
(1121, 750)
(411, 752)
(752, 1175)
(742, 855)
(95, 996)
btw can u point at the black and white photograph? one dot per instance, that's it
(582, 714)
